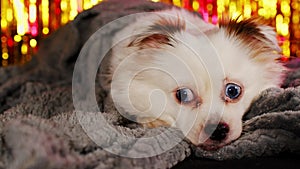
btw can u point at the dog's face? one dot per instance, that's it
(170, 77)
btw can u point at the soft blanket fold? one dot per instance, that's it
(39, 127)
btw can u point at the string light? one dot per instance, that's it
(30, 19)
(73, 9)
(45, 16)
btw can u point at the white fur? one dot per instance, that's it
(144, 81)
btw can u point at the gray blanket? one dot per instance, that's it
(39, 128)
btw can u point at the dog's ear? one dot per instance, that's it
(253, 32)
(270, 36)
(159, 34)
(155, 40)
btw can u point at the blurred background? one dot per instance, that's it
(24, 23)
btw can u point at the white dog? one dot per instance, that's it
(165, 73)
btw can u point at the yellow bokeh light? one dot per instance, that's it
(24, 49)
(73, 14)
(284, 29)
(247, 10)
(177, 2)
(73, 11)
(5, 56)
(195, 5)
(17, 38)
(45, 31)
(63, 5)
(285, 8)
(296, 19)
(64, 19)
(261, 12)
(9, 15)
(45, 13)
(33, 43)
(87, 4)
(286, 48)
(226, 2)
(3, 24)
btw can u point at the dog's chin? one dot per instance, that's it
(212, 146)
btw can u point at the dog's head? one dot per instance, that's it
(167, 75)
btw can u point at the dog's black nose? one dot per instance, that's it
(218, 131)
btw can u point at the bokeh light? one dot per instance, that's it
(25, 22)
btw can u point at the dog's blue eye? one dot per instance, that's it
(184, 95)
(232, 91)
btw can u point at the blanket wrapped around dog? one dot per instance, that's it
(39, 127)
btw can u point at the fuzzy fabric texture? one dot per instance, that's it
(39, 128)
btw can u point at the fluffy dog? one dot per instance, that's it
(173, 69)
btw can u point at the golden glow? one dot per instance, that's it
(4, 63)
(296, 18)
(3, 39)
(29, 16)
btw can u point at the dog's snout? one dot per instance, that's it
(218, 132)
